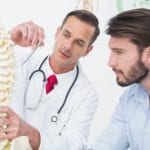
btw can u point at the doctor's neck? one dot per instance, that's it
(59, 68)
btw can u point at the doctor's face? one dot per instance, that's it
(71, 42)
(126, 61)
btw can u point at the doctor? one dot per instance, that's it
(58, 119)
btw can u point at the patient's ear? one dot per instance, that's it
(147, 56)
(148, 51)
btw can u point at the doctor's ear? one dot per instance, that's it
(58, 30)
(89, 49)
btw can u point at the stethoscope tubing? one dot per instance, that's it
(69, 90)
(44, 80)
(39, 70)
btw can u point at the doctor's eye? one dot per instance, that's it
(80, 43)
(118, 52)
(66, 34)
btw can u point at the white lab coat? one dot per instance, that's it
(71, 132)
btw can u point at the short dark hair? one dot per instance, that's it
(87, 17)
(133, 24)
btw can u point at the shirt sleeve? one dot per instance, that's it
(114, 136)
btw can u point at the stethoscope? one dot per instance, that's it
(54, 118)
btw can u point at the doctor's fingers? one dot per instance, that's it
(10, 127)
(5, 111)
(38, 37)
(32, 34)
(26, 33)
(3, 128)
(12, 122)
(19, 33)
(8, 116)
(9, 133)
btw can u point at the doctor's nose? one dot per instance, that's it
(68, 46)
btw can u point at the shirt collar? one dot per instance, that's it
(140, 94)
(60, 77)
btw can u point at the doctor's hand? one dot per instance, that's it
(28, 34)
(12, 126)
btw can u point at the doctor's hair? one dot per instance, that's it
(87, 17)
(132, 24)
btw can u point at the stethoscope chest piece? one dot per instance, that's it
(54, 119)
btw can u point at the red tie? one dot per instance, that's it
(51, 81)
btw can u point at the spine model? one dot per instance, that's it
(6, 76)
(7, 82)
